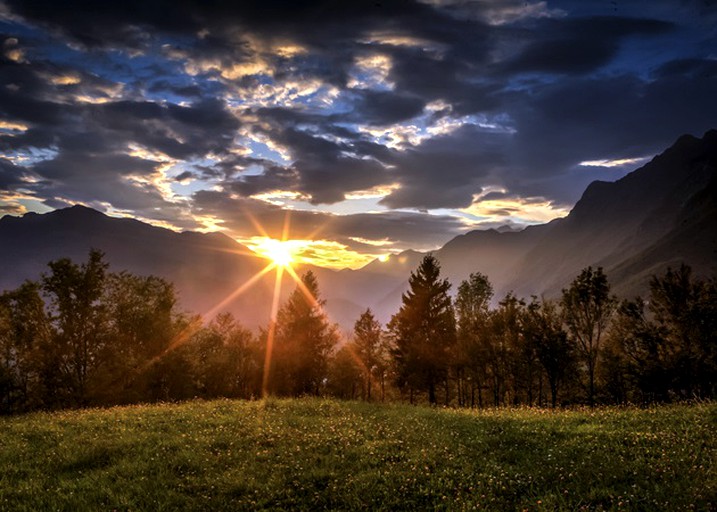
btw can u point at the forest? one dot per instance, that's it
(83, 336)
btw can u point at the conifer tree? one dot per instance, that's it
(424, 330)
(304, 341)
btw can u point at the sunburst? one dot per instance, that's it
(281, 254)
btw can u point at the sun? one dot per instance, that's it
(281, 253)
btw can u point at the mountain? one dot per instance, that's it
(660, 215)
(204, 267)
(642, 218)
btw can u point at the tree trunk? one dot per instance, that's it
(432, 393)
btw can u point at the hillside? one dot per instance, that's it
(614, 223)
(203, 267)
(660, 215)
(314, 454)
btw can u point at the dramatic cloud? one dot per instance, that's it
(378, 125)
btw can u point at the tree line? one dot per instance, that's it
(84, 336)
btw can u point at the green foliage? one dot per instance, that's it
(25, 349)
(587, 309)
(346, 374)
(370, 350)
(543, 330)
(79, 315)
(667, 347)
(685, 309)
(506, 350)
(424, 330)
(314, 454)
(83, 336)
(471, 354)
(304, 341)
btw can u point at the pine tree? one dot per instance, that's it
(367, 334)
(304, 341)
(424, 330)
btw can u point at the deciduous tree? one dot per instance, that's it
(587, 307)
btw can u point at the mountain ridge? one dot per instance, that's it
(660, 214)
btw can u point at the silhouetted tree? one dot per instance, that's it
(26, 368)
(543, 328)
(304, 340)
(346, 375)
(74, 293)
(424, 330)
(368, 347)
(587, 307)
(224, 360)
(686, 310)
(472, 303)
(504, 345)
(142, 322)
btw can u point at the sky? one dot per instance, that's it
(366, 128)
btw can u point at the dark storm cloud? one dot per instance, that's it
(385, 108)
(9, 174)
(22, 94)
(445, 172)
(163, 86)
(322, 169)
(578, 46)
(626, 117)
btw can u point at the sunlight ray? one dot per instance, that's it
(272, 331)
(244, 287)
(257, 225)
(312, 300)
(359, 362)
(285, 228)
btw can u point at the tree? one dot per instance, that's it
(224, 360)
(304, 341)
(25, 334)
(345, 373)
(636, 358)
(75, 293)
(368, 347)
(142, 323)
(587, 307)
(424, 330)
(685, 308)
(544, 330)
(505, 349)
(472, 302)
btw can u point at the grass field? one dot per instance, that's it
(324, 454)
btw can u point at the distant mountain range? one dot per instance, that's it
(660, 215)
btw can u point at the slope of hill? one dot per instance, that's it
(615, 222)
(205, 268)
(660, 215)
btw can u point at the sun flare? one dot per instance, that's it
(280, 252)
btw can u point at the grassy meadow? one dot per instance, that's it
(314, 454)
